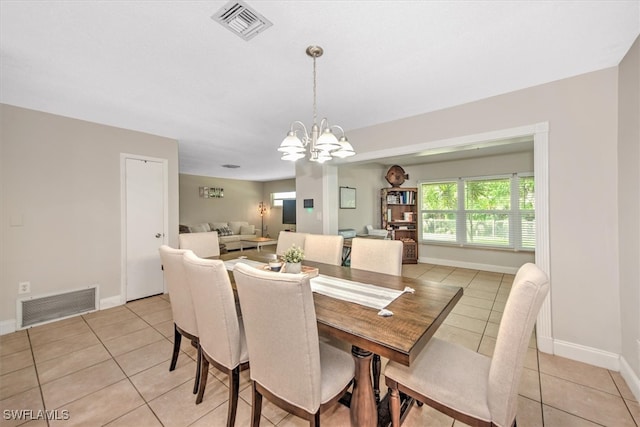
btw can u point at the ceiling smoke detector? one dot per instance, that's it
(241, 19)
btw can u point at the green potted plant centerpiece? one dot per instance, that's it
(293, 259)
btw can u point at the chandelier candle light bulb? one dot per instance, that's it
(322, 142)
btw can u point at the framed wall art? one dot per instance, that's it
(347, 198)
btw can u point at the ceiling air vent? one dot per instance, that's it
(238, 17)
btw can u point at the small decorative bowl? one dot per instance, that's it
(275, 265)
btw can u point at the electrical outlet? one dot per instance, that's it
(24, 287)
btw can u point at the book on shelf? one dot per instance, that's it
(401, 198)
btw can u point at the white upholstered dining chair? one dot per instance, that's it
(184, 319)
(378, 255)
(222, 338)
(286, 239)
(204, 245)
(289, 366)
(326, 249)
(468, 386)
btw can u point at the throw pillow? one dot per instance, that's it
(235, 226)
(216, 225)
(200, 228)
(224, 231)
(248, 229)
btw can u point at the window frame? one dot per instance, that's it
(514, 214)
(278, 197)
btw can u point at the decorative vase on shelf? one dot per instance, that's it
(293, 267)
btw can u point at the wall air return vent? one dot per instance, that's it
(241, 19)
(33, 311)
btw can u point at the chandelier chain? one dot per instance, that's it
(315, 108)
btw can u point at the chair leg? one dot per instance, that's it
(315, 421)
(234, 385)
(202, 383)
(376, 367)
(394, 406)
(196, 383)
(256, 407)
(177, 338)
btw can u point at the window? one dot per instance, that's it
(485, 211)
(439, 211)
(277, 198)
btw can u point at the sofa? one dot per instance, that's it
(229, 233)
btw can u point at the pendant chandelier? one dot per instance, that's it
(322, 143)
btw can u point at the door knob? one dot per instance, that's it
(158, 235)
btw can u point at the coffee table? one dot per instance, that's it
(259, 242)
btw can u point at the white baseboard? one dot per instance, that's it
(630, 377)
(110, 302)
(7, 326)
(470, 265)
(545, 344)
(590, 355)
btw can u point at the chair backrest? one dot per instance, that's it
(282, 334)
(204, 245)
(215, 308)
(381, 256)
(179, 291)
(323, 248)
(286, 239)
(529, 289)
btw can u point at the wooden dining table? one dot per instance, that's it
(399, 337)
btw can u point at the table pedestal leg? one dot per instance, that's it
(363, 405)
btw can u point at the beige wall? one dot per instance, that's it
(240, 201)
(629, 206)
(367, 180)
(61, 182)
(583, 174)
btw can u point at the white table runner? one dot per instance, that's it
(371, 296)
(360, 293)
(230, 265)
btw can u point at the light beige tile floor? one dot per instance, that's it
(112, 368)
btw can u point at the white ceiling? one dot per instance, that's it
(166, 68)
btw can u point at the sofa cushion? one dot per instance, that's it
(247, 229)
(224, 231)
(200, 228)
(235, 226)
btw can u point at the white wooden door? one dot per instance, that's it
(145, 225)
